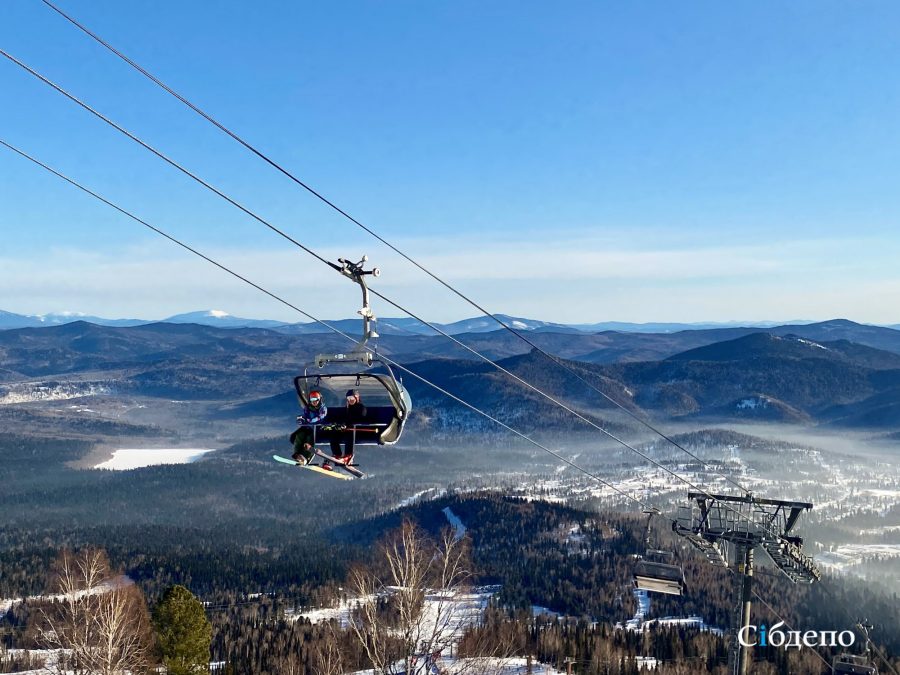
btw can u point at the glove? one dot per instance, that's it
(301, 419)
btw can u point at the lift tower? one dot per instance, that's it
(712, 522)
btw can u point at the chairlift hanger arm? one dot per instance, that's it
(356, 273)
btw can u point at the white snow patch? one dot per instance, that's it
(35, 392)
(217, 314)
(412, 499)
(519, 324)
(538, 610)
(50, 658)
(812, 344)
(483, 664)
(878, 531)
(455, 522)
(850, 555)
(105, 587)
(456, 611)
(340, 613)
(752, 403)
(136, 458)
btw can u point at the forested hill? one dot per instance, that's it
(579, 563)
(771, 375)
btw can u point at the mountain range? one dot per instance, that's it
(835, 372)
(386, 326)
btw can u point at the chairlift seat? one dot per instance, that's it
(851, 663)
(387, 405)
(653, 574)
(658, 577)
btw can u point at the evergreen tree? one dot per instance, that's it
(183, 632)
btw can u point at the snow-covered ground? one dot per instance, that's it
(105, 587)
(643, 609)
(340, 612)
(851, 555)
(684, 622)
(50, 658)
(546, 612)
(455, 522)
(493, 665)
(640, 623)
(34, 392)
(136, 458)
(455, 611)
(412, 499)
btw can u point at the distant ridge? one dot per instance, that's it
(221, 319)
(833, 329)
(10, 320)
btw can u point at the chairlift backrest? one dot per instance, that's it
(387, 403)
(851, 663)
(655, 571)
(658, 577)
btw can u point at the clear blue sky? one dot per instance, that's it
(577, 161)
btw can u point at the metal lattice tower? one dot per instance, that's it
(712, 522)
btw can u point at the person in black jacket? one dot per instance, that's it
(356, 414)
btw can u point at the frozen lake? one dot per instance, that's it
(135, 458)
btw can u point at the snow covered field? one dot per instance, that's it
(465, 609)
(105, 587)
(136, 458)
(851, 555)
(492, 665)
(34, 392)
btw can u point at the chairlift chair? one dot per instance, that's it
(656, 571)
(852, 663)
(652, 573)
(387, 402)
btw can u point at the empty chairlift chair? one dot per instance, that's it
(851, 663)
(856, 664)
(656, 571)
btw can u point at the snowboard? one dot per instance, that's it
(349, 468)
(312, 467)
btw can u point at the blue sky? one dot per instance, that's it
(576, 161)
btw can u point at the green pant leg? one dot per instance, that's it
(304, 435)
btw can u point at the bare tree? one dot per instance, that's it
(328, 658)
(408, 605)
(100, 624)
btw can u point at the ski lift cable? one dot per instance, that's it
(785, 622)
(337, 331)
(555, 359)
(320, 258)
(333, 329)
(858, 624)
(541, 392)
(305, 248)
(883, 657)
(837, 603)
(162, 156)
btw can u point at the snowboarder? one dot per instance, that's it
(304, 438)
(356, 413)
